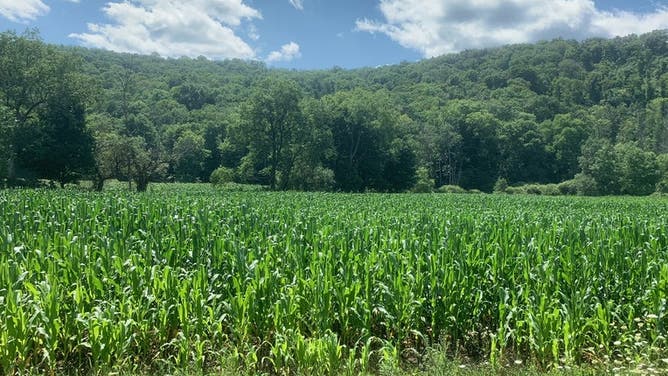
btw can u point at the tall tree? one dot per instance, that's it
(58, 146)
(523, 153)
(639, 170)
(189, 156)
(363, 125)
(272, 117)
(28, 76)
(479, 149)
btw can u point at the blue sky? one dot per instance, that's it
(316, 34)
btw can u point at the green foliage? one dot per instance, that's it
(501, 185)
(186, 278)
(550, 189)
(222, 175)
(189, 155)
(639, 171)
(6, 123)
(602, 162)
(662, 163)
(400, 172)
(568, 187)
(58, 146)
(364, 126)
(272, 122)
(478, 149)
(564, 188)
(529, 113)
(423, 183)
(43, 91)
(451, 189)
(584, 185)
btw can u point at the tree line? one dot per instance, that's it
(592, 114)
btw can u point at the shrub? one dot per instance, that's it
(451, 189)
(515, 190)
(585, 185)
(500, 185)
(568, 187)
(222, 175)
(424, 183)
(533, 189)
(662, 186)
(549, 189)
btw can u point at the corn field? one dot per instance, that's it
(315, 283)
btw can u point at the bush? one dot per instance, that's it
(451, 189)
(662, 186)
(585, 185)
(424, 183)
(568, 187)
(500, 185)
(550, 189)
(222, 175)
(238, 187)
(581, 185)
(532, 189)
(474, 191)
(515, 190)
(316, 179)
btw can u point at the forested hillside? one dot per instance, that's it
(591, 115)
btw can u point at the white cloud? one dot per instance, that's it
(298, 4)
(288, 52)
(435, 27)
(174, 28)
(253, 32)
(22, 10)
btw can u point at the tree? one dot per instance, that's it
(656, 124)
(193, 96)
(123, 157)
(599, 160)
(478, 150)
(662, 162)
(439, 146)
(189, 155)
(400, 167)
(314, 150)
(29, 72)
(58, 146)
(565, 136)
(141, 163)
(523, 154)
(110, 154)
(362, 125)
(423, 183)
(639, 170)
(272, 117)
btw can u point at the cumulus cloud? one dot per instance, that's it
(435, 27)
(173, 28)
(288, 52)
(22, 10)
(298, 4)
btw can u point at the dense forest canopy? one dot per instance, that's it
(592, 114)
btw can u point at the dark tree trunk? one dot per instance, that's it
(142, 184)
(98, 183)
